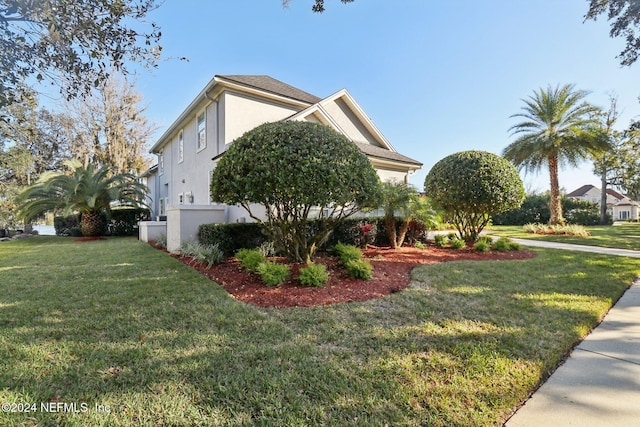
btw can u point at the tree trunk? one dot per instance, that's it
(402, 233)
(556, 201)
(92, 224)
(390, 225)
(603, 198)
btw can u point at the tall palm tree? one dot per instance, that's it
(553, 134)
(87, 191)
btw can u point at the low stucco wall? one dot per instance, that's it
(151, 230)
(183, 222)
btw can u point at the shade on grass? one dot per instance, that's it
(119, 324)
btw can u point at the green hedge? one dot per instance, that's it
(232, 237)
(124, 221)
(535, 210)
(352, 231)
(67, 226)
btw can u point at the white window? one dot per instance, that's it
(180, 198)
(161, 162)
(188, 197)
(163, 206)
(181, 147)
(202, 131)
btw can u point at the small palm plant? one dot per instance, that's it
(87, 191)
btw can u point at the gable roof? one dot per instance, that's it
(385, 154)
(581, 191)
(269, 84)
(615, 194)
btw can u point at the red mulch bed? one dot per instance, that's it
(391, 273)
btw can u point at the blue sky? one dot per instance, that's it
(435, 76)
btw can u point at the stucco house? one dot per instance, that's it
(226, 108)
(619, 206)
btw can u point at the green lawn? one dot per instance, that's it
(119, 326)
(625, 236)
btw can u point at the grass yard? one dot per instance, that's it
(625, 236)
(135, 338)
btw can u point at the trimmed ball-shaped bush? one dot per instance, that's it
(471, 186)
(289, 168)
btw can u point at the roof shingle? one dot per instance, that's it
(272, 85)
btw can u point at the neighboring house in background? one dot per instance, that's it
(619, 206)
(224, 110)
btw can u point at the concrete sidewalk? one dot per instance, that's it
(599, 384)
(580, 248)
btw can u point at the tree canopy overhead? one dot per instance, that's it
(624, 16)
(72, 43)
(318, 5)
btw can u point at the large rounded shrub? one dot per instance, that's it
(471, 186)
(297, 171)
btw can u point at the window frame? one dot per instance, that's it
(181, 146)
(201, 131)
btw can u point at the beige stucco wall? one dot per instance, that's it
(183, 223)
(242, 113)
(348, 122)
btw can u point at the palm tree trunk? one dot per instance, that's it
(556, 201)
(390, 224)
(92, 224)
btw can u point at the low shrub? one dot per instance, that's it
(313, 275)
(209, 254)
(250, 259)
(564, 230)
(486, 239)
(162, 241)
(359, 269)
(267, 249)
(347, 253)
(457, 243)
(482, 246)
(418, 244)
(273, 274)
(441, 240)
(504, 244)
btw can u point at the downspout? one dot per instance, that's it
(217, 141)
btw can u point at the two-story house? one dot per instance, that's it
(224, 110)
(619, 206)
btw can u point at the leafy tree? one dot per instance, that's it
(297, 171)
(32, 142)
(86, 190)
(109, 127)
(318, 5)
(402, 202)
(625, 18)
(606, 163)
(471, 186)
(554, 133)
(73, 43)
(628, 154)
